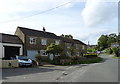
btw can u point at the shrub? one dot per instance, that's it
(116, 51)
(38, 58)
(109, 51)
(90, 55)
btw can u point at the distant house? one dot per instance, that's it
(115, 45)
(68, 43)
(10, 46)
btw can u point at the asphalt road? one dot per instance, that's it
(106, 71)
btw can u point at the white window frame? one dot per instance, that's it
(69, 45)
(32, 40)
(43, 51)
(77, 46)
(43, 41)
(57, 42)
(83, 47)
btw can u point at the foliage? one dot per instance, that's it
(116, 57)
(83, 60)
(64, 56)
(72, 51)
(90, 55)
(109, 51)
(67, 36)
(116, 51)
(54, 49)
(102, 42)
(38, 57)
(105, 40)
(92, 50)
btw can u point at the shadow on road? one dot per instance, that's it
(25, 71)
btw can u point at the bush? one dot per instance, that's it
(38, 58)
(90, 55)
(109, 51)
(116, 51)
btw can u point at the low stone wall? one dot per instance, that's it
(9, 64)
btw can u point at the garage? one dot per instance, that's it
(11, 51)
(10, 45)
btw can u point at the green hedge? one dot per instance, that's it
(85, 61)
(90, 55)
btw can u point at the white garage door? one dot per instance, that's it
(31, 54)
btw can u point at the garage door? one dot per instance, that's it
(31, 54)
(11, 51)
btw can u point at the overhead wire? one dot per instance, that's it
(37, 13)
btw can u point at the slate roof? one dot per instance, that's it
(69, 40)
(7, 38)
(33, 32)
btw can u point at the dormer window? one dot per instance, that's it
(43, 41)
(32, 40)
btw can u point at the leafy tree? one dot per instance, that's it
(38, 57)
(102, 42)
(111, 39)
(54, 49)
(67, 36)
(116, 51)
(72, 51)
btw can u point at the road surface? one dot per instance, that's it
(106, 71)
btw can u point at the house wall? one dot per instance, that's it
(21, 35)
(7, 44)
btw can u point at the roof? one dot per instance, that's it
(33, 32)
(69, 40)
(7, 38)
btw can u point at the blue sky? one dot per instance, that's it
(86, 20)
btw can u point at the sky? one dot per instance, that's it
(86, 20)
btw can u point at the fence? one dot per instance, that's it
(9, 63)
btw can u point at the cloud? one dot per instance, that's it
(97, 12)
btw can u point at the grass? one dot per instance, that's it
(116, 57)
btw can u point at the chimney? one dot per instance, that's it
(44, 29)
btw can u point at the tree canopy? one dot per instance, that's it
(105, 40)
(54, 49)
(67, 36)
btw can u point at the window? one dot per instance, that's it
(43, 41)
(32, 40)
(43, 53)
(69, 45)
(83, 47)
(57, 42)
(77, 46)
(77, 53)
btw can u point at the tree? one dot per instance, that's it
(111, 39)
(102, 42)
(38, 57)
(72, 51)
(67, 36)
(54, 49)
(116, 51)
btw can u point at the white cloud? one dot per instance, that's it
(98, 12)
